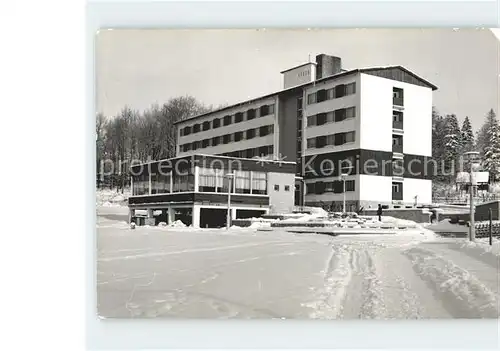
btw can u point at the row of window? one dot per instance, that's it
(245, 182)
(261, 151)
(229, 119)
(335, 187)
(333, 93)
(332, 139)
(332, 116)
(228, 138)
(210, 180)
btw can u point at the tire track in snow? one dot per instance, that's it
(462, 294)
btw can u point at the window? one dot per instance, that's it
(226, 139)
(250, 133)
(397, 96)
(186, 147)
(249, 153)
(184, 181)
(216, 123)
(350, 88)
(320, 141)
(330, 94)
(311, 98)
(195, 145)
(340, 115)
(215, 141)
(141, 184)
(259, 183)
(287, 187)
(397, 140)
(264, 110)
(196, 128)
(187, 130)
(310, 188)
(242, 182)
(319, 187)
(271, 109)
(396, 187)
(263, 131)
(205, 126)
(311, 143)
(227, 120)
(299, 104)
(238, 136)
(350, 112)
(311, 121)
(349, 185)
(210, 180)
(238, 117)
(321, 95)
(276, 187)
(340, 90)
(397, 116)
(349, 137)
(339, 139)
(330, 117)
(205, 143)
(250, 114)
(320, 119)
(160, 183)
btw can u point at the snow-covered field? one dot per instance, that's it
(244, 273)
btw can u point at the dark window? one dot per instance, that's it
(263, 131)
(321, 141)
(249, 153)
(195, 145)
(310, 188)
(227, 120)
(397, 191)
(319, 187)
(339, 139)
(397, 97)
(238, 136)
(226, 139)
(205, 143)
(349, 185)
(320, 119)
(186, 147)
(340, 90)
(299, 103)
(187, 130)
(311, 121)
(340, 115)
(321, 95)
(238, 117)
(216, 141)
(250, 114)
(287, 187)
(216, 123)
(263, 151)
(196, 128)
(397, 119)
(206, 125)
(276, 187)
(250, 133)
(264, 110)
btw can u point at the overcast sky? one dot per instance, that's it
(140, 67)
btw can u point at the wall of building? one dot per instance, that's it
(330, 196)
(281, 201)
(299, 75)
(287, 129)
(374, 190)
(375, 113)
(420, 187)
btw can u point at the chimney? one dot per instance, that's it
(327, 65)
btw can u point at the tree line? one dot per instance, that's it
(450, 141)
(133, 135)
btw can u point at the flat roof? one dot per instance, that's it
(322, 80)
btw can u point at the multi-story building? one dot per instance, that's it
(367, 130)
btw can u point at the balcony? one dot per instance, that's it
(397, 125)
(397, 148)
(397, 101)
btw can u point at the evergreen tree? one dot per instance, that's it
(467, 136)
(438, 141)
(452, 145)
(491, 150)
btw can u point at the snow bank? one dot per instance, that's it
(482, 246)
(177, 224)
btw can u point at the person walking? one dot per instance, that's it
(379, 212)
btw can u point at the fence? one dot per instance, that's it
(483, 229)
(464, 199)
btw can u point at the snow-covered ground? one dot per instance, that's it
(245, 273)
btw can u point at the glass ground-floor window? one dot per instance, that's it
(259, 183)
(160, 183)
(140, 185)
(211, 180)
(184, 181)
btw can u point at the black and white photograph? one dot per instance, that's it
(313, 174)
